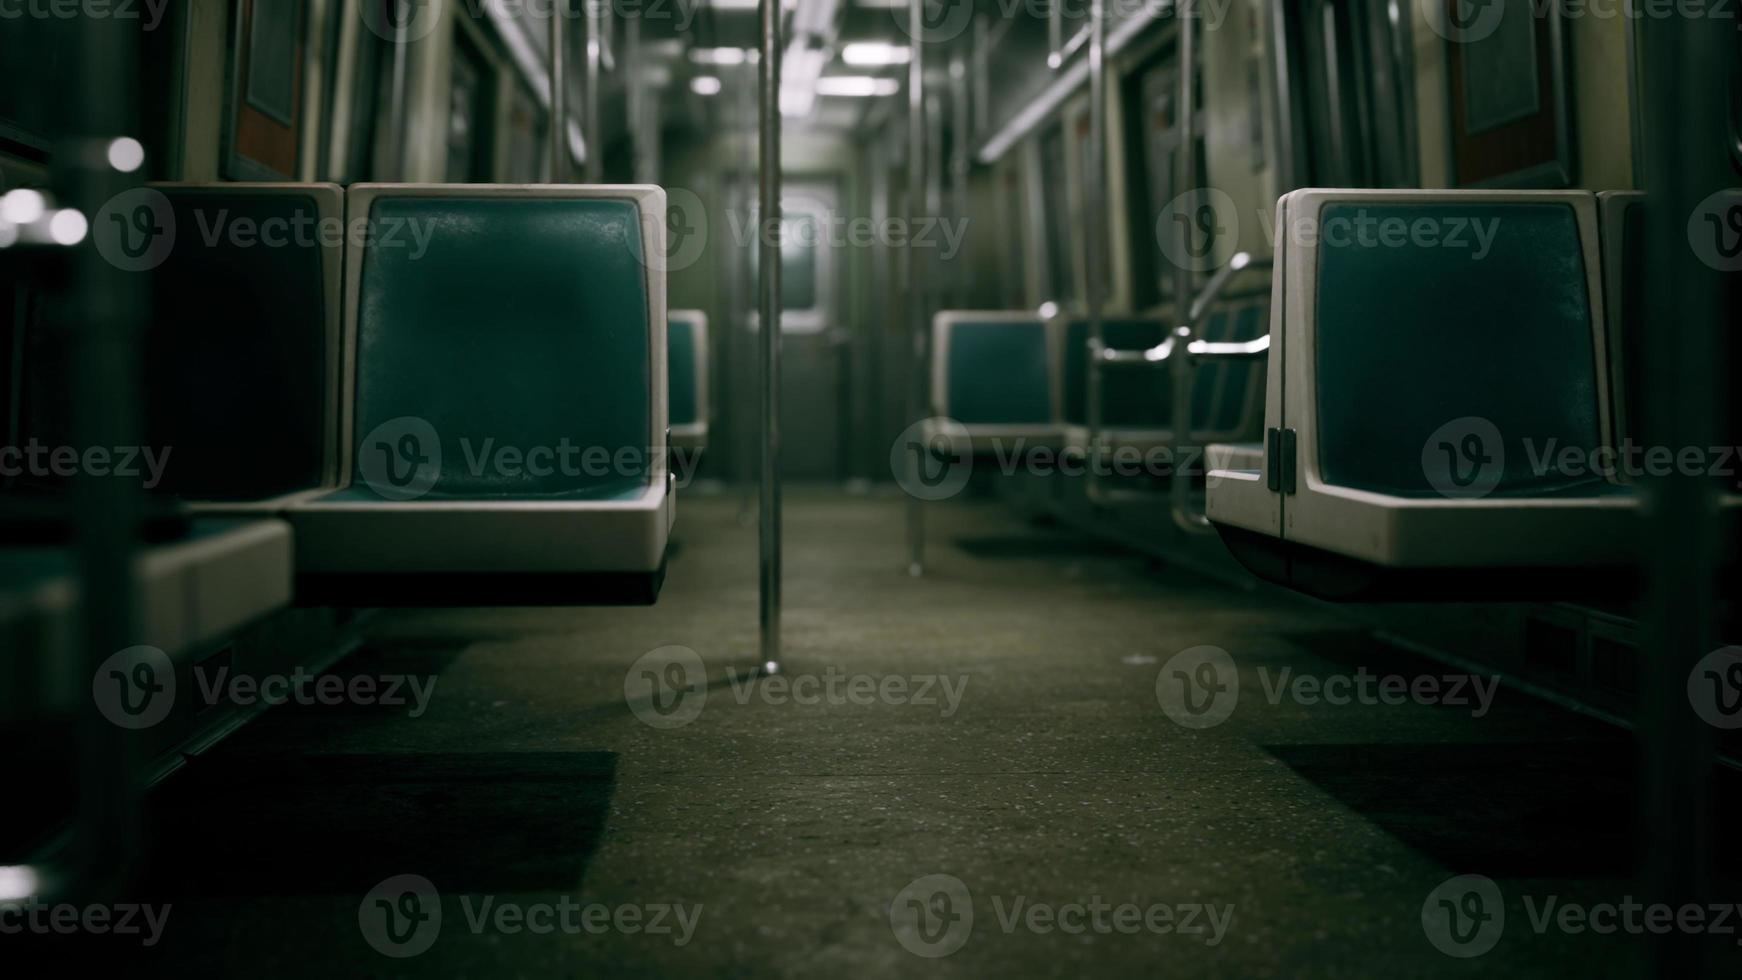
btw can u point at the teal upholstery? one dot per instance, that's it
(1249, 323)
(1208, 380)
(1131, 398)
(998, 373)
(1411, 338)
(683, 372)
(525, 325)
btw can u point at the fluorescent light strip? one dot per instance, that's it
(724, 56)
(1055, 94)
(873, 54)
(856, 86)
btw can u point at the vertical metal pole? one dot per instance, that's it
(1095, 225)
(916, 285)
(742, 428)
(769, 243)
(559, 92)
(595, 163)
(98, 313)
(1186, 112)
(961, 276)
(1685, 60)
(398, 92)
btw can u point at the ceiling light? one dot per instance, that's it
(875, 53)
(857, 86)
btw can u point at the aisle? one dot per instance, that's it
(992, 733)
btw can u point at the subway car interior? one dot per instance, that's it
(559, 488)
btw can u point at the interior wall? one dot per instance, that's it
(1232, 51)
(1598, 72)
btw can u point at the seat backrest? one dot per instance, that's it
(1131, 398)
(992, 368)
(1431, 307)
(1623, 214)
(240, 340)
(242, 350)
(510, 319)
(686, 353)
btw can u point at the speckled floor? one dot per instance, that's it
(979, 766)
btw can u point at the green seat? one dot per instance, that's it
(686, 372)
(993, 374)
(1136, 398)
(1443, 352)
(997, 372)
(507, 429)
(1413, 337)
(523, 325)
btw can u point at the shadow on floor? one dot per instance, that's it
(1564, 809)
(249, 824)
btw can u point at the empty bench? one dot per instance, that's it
(1417, 383)
(503, 408)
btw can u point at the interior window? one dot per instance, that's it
(468, 115)
(1056, 232)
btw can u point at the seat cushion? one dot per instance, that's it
(524, 325)
(1131, 397)
(1412, 338)
(998, 373)
(685, 373)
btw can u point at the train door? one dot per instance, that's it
(815, 343)
(1351, 93)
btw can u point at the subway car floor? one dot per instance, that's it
(1037, 767)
